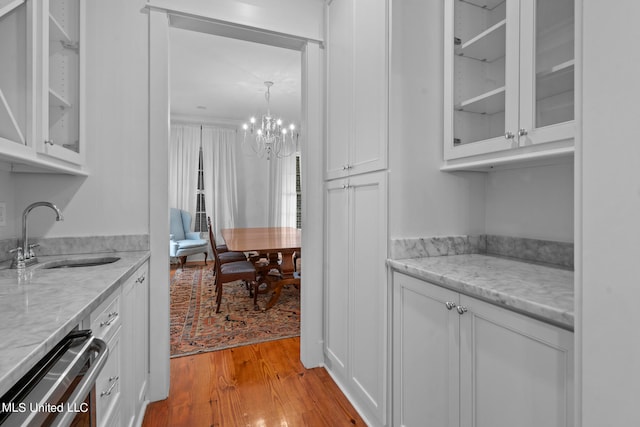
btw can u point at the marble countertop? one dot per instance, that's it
(38, 307)
(539, 291)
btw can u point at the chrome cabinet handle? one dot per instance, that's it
(509, 135)
(114, 382)
(50, 142)
(522, 132)
(112, 317)
(461, 309)
(141, 279)
(450, 305)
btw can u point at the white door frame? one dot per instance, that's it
(312, 143)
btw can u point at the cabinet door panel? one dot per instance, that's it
(426, 371)
(368, 290)
(337, 276)
(369, 86)
(339, 85)
(514, 370)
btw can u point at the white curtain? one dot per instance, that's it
(220, 183)
(219, 162)
(184, 146)
(282, 192)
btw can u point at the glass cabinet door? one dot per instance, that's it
(14, 72)
(62, 126)
(485, 75)
(552, 98)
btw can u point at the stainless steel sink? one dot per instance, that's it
(79, 262)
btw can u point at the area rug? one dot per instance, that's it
(196, 327)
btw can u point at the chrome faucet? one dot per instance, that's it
(26, 250)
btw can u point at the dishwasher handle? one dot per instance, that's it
(87, 383)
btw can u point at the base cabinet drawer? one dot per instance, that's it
(459, 361)
(108, 385)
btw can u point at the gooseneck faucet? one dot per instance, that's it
(26, 250)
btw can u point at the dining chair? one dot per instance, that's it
(231, 271)
(224, 255)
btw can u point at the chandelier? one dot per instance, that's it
(269, 137)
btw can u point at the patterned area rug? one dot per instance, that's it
(196, 327)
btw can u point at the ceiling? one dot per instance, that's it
(219, 79)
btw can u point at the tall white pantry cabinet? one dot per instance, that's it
(355, 291)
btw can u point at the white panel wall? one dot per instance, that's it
(608, 314)
(114, 198)
(422, 200)
(535, 203)
(7, 189)
(294, 17)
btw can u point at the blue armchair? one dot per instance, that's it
(183, 241)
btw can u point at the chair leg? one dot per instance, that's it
(183, 260)
(218, 294)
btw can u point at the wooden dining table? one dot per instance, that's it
(268, 240)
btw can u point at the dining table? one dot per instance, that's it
(270, 241)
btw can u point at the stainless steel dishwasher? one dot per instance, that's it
(60, 389)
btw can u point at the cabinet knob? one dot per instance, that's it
(461, 309)
(522, 132)
(509, 135)
(50, 142)
(450, 305)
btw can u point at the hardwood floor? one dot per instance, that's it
(257, 385)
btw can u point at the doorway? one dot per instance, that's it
(311, 143)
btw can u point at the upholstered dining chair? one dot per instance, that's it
(184, 242)
(230, 271)
(224, 255)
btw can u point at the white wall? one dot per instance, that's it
(608, 290)
(294, 17)
(533, 202)
(7, 190)
(113, 200)
(422, 200)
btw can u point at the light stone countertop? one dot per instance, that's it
(39, 307)
(542, 292)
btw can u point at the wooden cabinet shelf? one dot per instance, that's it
(488, 103)
(58, 101)
(7, 6)
(556, 80)
(486, 46)
(57, 32)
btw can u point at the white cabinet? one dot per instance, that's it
(459, 361)
(135, 302)
(356, 87)
(42, 85)
(62, 79)
(106, 323)
(122, 321)
(509, 80)
(355, 290)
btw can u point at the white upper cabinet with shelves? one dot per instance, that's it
(62, 33)
(14, 67)
(356, 87)
(509, 81)
(41, 85)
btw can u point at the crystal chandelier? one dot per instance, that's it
(269, 138)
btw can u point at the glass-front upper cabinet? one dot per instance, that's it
(14, 71)
(62, 34)
(509, 79)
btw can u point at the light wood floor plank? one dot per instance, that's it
(257, 385)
